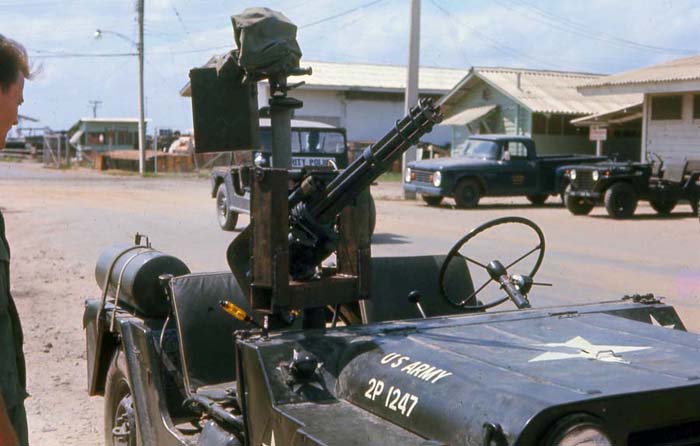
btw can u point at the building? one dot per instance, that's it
(536, 103)
(364, 99)
(670, 112)
(94, 135)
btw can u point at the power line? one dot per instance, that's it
(512, 52)
(81, 55)
(564, 24)
(341, 14)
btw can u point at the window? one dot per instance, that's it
(666, 107)
(696, 106)
(517, 150)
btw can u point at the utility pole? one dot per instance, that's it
(142, 125)
(412, 85)
(94, 104)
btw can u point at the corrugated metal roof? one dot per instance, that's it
(553, 91)
(686, 69)
(544, 91)
(366, 77)
(469, 115)
(622, 114)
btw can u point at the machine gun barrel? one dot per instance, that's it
(312, 239)
(376, 159)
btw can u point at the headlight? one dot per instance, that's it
(408, 175)
(595, 175)
(572, 174)
(578, 430)
(437, 179)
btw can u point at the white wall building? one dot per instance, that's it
(365, 99)
(671, 107)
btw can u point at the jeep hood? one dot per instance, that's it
(444, 378)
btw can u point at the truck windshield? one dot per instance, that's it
(476, 148)
(308, 141)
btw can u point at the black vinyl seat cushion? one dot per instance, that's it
(205, 331)
(393, 278)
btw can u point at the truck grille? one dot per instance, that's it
(584, 180)
(423, 176)
(687, 434)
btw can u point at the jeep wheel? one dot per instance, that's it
(432, 200)
(467, 193)
(538, 199)
(577, 205)
(120, 416)
(663, 207)
(226, 217)
(620, 200)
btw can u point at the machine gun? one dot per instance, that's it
(298, 218)
(294, 232)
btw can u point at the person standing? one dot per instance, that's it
(14, 69)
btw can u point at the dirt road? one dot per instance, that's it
(58, 222)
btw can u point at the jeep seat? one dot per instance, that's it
(675, 170)
(393, 278)
(205, 332)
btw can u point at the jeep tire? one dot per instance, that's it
(467, 193)
(577, 205)
(226, 217)
(120, 415)
(663, 207)
(537, 199)
(621, 200)
(432, 200)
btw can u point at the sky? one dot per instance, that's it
(598, 36)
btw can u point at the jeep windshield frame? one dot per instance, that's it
(309, 141)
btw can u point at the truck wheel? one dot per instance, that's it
(432, 200)
(467, 193)
(663, 207)
(620, 200)
(120, 416)
(538, 199)
(577, 205)
(227, 218)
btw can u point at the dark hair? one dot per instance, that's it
(13, 62)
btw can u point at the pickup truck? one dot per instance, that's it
(492, 165)
(314, 145)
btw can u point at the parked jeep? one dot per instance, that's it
(620, 186)
(314, 144)
(491, 165)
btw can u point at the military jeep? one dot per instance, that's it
(313, 144)
(309, 340)
(620, 186)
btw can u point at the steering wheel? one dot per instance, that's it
(454, 252)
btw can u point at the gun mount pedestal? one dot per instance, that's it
(272, 290)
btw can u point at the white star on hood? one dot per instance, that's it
(586, 350)
(656, 322)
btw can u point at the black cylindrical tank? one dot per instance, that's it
(139, 269)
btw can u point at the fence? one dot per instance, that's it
(57, 151)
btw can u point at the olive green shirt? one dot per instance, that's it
(12, 368)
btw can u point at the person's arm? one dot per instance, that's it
(7, 432)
